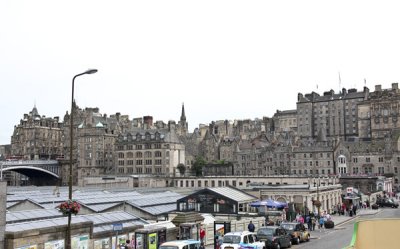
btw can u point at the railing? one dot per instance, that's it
(30, 162)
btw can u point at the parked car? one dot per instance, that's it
(240, 240)
(181, 244)
(274, 237)
(387, 202)
(297, 231)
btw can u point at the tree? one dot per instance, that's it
(181, 167)
(198, 165)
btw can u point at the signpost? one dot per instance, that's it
(117, 227)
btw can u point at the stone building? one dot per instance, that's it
(147, 151)
(335, 114)
(285, 121)
(383, 110)
(37, 137)
(93, 142)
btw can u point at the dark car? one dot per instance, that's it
(387, 203)
(297, 231)
(274, 237)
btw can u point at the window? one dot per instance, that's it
(147, 154)
(355, 160)
(120, 155)
(380, 159)
(157, 154)
(138, 146)
(367, 159)
(139, 162)
(139, 154)
(147, 146)
(149, 162)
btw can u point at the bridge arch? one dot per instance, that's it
(27, 167)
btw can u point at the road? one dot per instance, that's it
(340, 237)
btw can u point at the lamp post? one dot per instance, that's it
(89, 71)
(318, 202)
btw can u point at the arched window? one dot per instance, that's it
(139, 154)
(129, 155)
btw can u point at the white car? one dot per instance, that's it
(241, 240)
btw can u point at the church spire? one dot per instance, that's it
(183, 117)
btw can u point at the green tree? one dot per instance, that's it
(181, 167)
(198, 165)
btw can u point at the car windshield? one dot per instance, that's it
(231, 239)
(289, 227)
(168, 247)
(265, 231)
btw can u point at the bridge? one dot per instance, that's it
(40, 172)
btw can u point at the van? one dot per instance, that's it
(181, 244)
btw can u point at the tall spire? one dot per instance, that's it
(183, 117)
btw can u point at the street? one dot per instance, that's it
(341, 235)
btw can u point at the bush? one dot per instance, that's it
(375, 206)
(329, 224)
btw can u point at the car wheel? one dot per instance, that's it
(278, 246)
(297, 240)
(290, 244)
(308, 238)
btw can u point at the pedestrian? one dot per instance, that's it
(313, 221)
(251, 227)
(309, 222)
(321, 223)
(202, 234)
(355, 209)
(128, 244)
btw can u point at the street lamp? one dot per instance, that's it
(317, 203)
(89, 71)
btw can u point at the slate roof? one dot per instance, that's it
(234, 194)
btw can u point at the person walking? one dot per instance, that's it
(321, 223)
(309, 222)
(251, 227)
(202, 234)
(313, 223)
(128, 244)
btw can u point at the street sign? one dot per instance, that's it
(117, 227)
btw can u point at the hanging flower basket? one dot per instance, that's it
(69, 207)
(317, 203)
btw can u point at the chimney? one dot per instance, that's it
(395, 86)
(299, 97)
(378, 88)
(148, 120)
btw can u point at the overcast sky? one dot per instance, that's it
(222, 59)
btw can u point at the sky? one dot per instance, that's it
(222, 59)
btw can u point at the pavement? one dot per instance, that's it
(342, 219)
